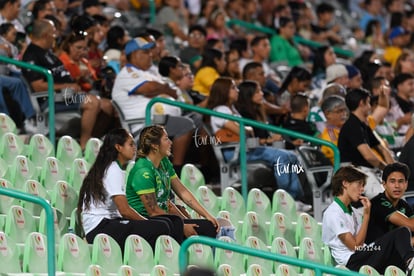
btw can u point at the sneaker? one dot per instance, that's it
(302, 207)
(29, 126)
(410, 267)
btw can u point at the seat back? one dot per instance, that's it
(95, 270)
(78, 172)
(201, 255)
(73, 254)
(59, 221)
(75, 225)
(234, 259)
(393, 270)
(7, 124)
(368, 270)
(33, 187)
(11, 146)
(257, 270)
(4, 169)
(192, 177)
(227, 270)
(285, 270)
(21, 171)
(309, 251)
(283, 247)
(138, 254)
(256, 243)
(35, 253)
(307, 226)
(19, 223)
(208, 199)
(319, 171)
(126, 270)
(166, 253)
(52, 171)
(64, 197)
(254, 225)
(6, 201)
(258, 202)
(40, 148)
(92, 149)
(233, 202)
(9, 261)
(106, 253)
(132, 125)
(284, 203)
(281, 226)
(68, 150)
(163, 270)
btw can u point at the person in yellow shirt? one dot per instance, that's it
(212, 65)
(336, 113)
(398, 39)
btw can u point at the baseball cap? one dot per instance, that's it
(352, 71)
(138, 43)
(91, 3)
(335, 71)
(397, 31)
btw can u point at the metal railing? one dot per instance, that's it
(50, 234)
(50, 90)
(318, 268)
(242, 123)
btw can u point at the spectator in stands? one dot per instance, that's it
(92, 7)
(336, 114)
(283, 47)
(232, 66)
(281, 11)
(116, 39)
(356, 141)
(38, 53)
(388, 209)
(374, 35)
(404, 63)
(216, 27)
(102, 201)
(10, 48)
(406, 156)
(402, 107)
(324, 56)
(135, 86)
(344, 230)
(354, 77)
(296, 120)
(253, 71)
(298, 80)
(160, 49)
(322, 31)
(73, 57)
(196, 41)
(212, 65)
(153, 179)
(337, 73)
(224, 94)
(372, 9)
(214, 43)
(398, 39)
(173, 24)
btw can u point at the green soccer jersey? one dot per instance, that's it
(144, 178)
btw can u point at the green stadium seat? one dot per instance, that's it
(201, 255)
(64, 197)
(19, 223)
(11, 146)
(60, 223)
(106, 253)
(368, 270)
(254, 226)
(73, 254)
(284, 203)
(283, 247)
(68, 150)
(231, 258)
(138, 254)
(52, 171)
(10, 259)
(281, 226)
(33, 187)
(39, 149)
(166, 253)
(192, 177)
(208, 199)
(256, 243)
(233, 202)
(92, 149)
(7, 124)
(78, 172)
(22, 170)
(258, 202)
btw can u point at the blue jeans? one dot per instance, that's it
(286, 167)
(19, 93)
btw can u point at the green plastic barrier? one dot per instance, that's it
(318, 268)
(243, 122)
(50, 90)
(51, 265)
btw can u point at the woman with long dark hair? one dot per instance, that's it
(102, 201)
(224, 94)
(151, 181)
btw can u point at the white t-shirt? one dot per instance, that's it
(114, 184)
(126, 82)
(217, 122)
(335, 222)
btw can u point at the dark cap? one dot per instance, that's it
(82, 23)
(91, 3)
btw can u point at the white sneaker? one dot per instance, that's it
(29, 126)
(302, 207)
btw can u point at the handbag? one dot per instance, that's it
(225, 136)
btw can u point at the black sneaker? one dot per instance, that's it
(410, 267)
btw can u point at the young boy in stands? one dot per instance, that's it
(388, 209)
(344, 230)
